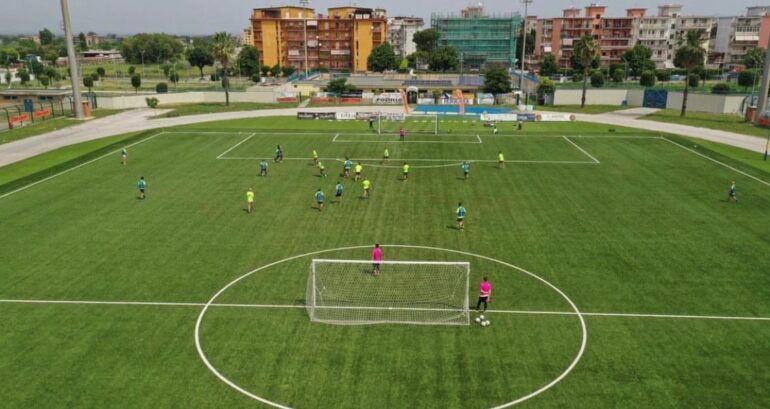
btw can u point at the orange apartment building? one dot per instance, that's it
(340, 40)
(614, 35)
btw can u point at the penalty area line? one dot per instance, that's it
(581, 150)
(298, 306)
(236, 145)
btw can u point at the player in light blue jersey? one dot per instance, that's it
(319, 198)
(338, 192)
(466, 169)
(460, 216)
(141, 185)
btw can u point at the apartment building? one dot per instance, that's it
(342, 40)
(401, 33)
(479, 38)
(736, 35)
(662, 33)
(614, 35)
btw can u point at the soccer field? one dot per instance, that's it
(622, 276)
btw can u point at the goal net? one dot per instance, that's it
(413, 123)
(405, 292)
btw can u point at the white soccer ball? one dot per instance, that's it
(478, 320)
(481, 316)
(483, 323)
(487, 323)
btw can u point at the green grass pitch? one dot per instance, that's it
(633, 227)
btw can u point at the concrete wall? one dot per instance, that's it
(593, 96)
(716, 104)
(711, 103)
(138, 101)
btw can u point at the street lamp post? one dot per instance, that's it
(73, 63)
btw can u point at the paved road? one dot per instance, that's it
(630, 117)
(141, 119)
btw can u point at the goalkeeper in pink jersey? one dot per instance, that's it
(485, 294)
(376, 259)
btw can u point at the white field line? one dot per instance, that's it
(477, 136)
(410, 141)
(459, 161)
(335, 137)
(236, 145)
(582, 150)
(297, 306)
(718, 162)
(78, 166)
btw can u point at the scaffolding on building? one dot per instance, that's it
(480, 39)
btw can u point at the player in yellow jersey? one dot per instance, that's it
(367, 185)
(322, 169)
(500, 160)
(359, 168)
(315, 157)
(386, 156)
(250, 200)
(406, 171)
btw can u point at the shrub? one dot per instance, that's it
(152, 102)
(647, 79)
(618, 75)
(597, 79)
(663, 75)
(693, 80)
(746, 78)
(577, 77)
(101, 72)
(720, 88)
(131, 70)
(161, 88)
(95, 76)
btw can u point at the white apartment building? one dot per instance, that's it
(401, 33)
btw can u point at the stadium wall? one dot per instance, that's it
(138, 101)
(710, 103)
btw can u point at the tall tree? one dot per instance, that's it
(639, 59)
(136, 82)
(754, 58)
(497, 80)
(382, 58)
(444, 58)
(151, 47)
(83, 43)
(549, 66)
(248, 60)
(689, 56)
(586, 52)
(339, 86)
(530, 43)
(46, 37)
(223, 48)
(426, 40)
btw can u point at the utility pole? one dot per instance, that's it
(762, 103)
(523, 43)
(304, 30)
(73, 62)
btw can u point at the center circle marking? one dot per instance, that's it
(232, 384)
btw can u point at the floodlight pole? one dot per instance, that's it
(73, 63)
(304, 30)
(523, 43)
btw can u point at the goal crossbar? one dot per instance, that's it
(405, 292)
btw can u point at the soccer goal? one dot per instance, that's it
(405, 292)
(412, 123)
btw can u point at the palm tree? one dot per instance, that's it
(223, 48)
(689, 56)
(586, 51)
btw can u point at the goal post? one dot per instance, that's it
(405, 292)
(391, 123)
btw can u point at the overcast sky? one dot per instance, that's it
(208, 16)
